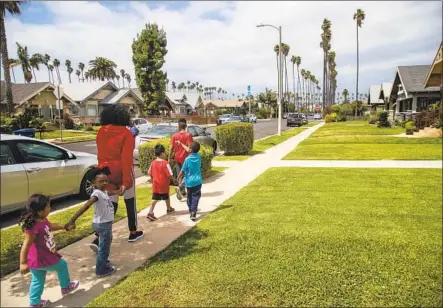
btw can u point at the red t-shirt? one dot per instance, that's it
(160, 172)
(180, 152)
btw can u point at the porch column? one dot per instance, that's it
(414, 103)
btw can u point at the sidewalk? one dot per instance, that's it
(158, 235)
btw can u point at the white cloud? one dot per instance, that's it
(234, 53)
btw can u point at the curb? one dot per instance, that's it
(68, 142)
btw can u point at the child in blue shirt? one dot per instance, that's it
(191, 170)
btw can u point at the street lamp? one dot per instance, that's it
(280, 75)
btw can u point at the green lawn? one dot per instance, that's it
(294, 237)
(355, 128)
(56, 134)
(368, 148)
(77, 138)
(262, 145)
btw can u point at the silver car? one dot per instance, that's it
(30, 166)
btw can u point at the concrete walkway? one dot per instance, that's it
(158, 235)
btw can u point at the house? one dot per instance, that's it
(182, 103)
(93, 97)
(37, 98)
(379, 95)
(434, 77)
(209, 107)
(408, 93)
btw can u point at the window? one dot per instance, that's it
(192, 130)
(91, 111)
(142, 121)
(35, 152)
(405, 105)
(199, 131)
(423, 103)
(6, 156)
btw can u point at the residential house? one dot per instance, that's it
(379, 95)
(209, 107)
(93, 97)
(408, 93)
(434, 77)
(182, 103)
(37, 98)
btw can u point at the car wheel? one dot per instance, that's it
(86, 187)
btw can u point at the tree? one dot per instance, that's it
(11, 64)
(45, 61)
(123, 75)
(51, 69)
(78, 73)
(149, 51)
(34, 62)
(359, 17)
(326, 46)
(87, 75)
(56, 64)
(102, 68)
(345, 95)
(268, 98)
(81, 67)
(128, 79)
(12, 8)
(285, 50)
(69, 69)
(25, 61)
(293, 61)
(173, 86)
(303, 97)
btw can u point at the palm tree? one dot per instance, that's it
(331, 68)
(13, 63)
(308, 90)
(81, 67)
(87, 75)
(128, 79)
(325, 45)
(56, 64)
(303, 74)
(123, 75)
(345, 95)
(285, 50)
(173, 86)
(23, 56)
(298, 62)
(51, 69)
(359, 17)
(103, 68)
(69, 69)
(13, 8)
(118, 80)
(188, 83)
(78, 73)
(45, 61)
(293, 60)
(35, 61)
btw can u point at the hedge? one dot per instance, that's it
(235, 138)
(146, 155)
(410, 128)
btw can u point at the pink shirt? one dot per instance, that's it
(42, 252)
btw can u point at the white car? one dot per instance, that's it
(30, 166)
(317, 116)
(141, 124)
(252, 118)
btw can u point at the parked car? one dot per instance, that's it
(317, 116)
(163, 130)
(285, 115)
(294, 119)
(141, 124)
(223, 119)
(234, 119)
(252, 117)
(304, 119)
(30, 166)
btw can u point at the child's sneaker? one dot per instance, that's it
(109, 271)
(171, 210)
(193, 216)
(135, 236)
(178, 193)
(71, 288)
(94, 245)
(151, 217)
(43, 303)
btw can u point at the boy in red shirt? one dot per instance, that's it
(161, 173)
(179, 153)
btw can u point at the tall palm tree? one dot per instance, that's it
(69, 69)
(173, 86)
(308, 90)
(51, 69)
(359, 17)
(81, 67)
(13, 63)
(87, 75)
(303, 74)
(12, 8)
(326, 37)
(78, 73)
(293, 61)
(103, 68)
(35, 62)
(331, 68)
(188, 83)
(118, 80)
(123, 75)
(345, 94)
(45, 61)
(298, 62)
(128, 79)
(285, 50)
(25, 61)
(56, 64)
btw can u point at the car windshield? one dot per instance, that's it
(235, 118)
(225, 116)
(293, 115)
(161, 130)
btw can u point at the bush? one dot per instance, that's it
(69, 123)
(383, 120)
(235, 138)
(410, 128)
(331, 117)
(146, 155)
(373, 119)
(262, 113)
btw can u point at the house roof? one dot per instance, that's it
(374, 95)
(227, 103)
(176, 97)
(116, 96)
(386, 87)
(81, 91)
(22, 92)
(413, 78)
(433, 78)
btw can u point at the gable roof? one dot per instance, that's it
(374, 95)
(192, 99)
(116, 96)
(433, 78)
(22, 92)
(386, 88)
(82, 91)
(413, 78)
(226, 103)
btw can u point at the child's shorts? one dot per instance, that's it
(158, 197)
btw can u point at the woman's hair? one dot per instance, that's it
(96, 171)
(116, 114)
(36, 204)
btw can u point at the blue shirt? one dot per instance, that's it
(192, 170)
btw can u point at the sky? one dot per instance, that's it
(218, 43)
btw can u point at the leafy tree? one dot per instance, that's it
(149, 50)
(102, 68)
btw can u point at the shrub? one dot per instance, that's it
(235, 138)
(69, 123)
(383, 120)
(331, 117)
(373, 119)
(410, 128)
(262, 113)
(146, 155)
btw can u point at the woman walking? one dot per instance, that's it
(115, 149)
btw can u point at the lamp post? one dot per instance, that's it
(280, 75)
